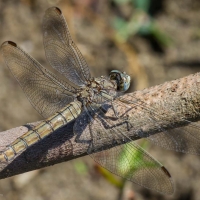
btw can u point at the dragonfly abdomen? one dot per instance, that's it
(45, 128)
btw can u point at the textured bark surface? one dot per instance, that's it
(172, 103)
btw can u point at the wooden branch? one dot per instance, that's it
(172, 103)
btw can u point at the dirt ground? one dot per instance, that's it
(21, 21)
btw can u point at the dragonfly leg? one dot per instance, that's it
(114, 110)
(127, 122)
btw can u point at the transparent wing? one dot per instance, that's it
(129, 160)
(184, 139)
(46, 93)
(61, 51)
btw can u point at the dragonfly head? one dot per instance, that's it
(122, 79)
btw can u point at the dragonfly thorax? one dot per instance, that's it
(104, 83)
(98, 90)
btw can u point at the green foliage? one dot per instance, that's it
(142, 4)
(140, 22)
(110, 177)
(120, 2)
(80, 167)
(127, 28)
(126, 155)
(122, 165)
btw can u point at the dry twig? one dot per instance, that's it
(173, 102)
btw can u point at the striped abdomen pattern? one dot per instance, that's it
(45, 128)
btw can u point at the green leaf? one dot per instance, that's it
(132, 167)
(122, 1)
(142, 5)
(120, 26)
(80, 167)
(110, 177)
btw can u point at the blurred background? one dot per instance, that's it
(153, 40)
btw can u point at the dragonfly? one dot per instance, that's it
(85, 100)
